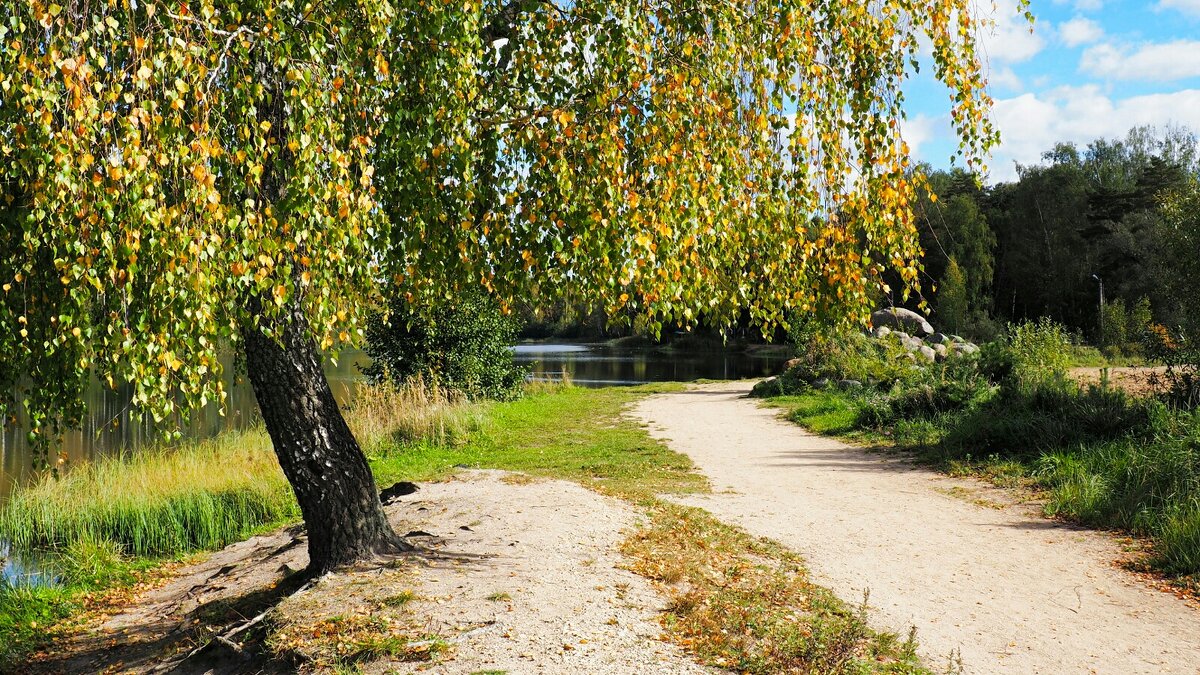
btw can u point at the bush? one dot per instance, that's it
(463, 347)
(1031, 355)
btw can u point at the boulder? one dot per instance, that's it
(941, 351)
(900, 335)
(768, 387)
(913, 344)
(928, 353)
(849, 384)
(938, 339)
(820, 383)
(898, 317)
(966, 348)
(791, 363)
(881, 331)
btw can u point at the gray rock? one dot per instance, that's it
(881, 331)
(941, 352)
(938, 339)
(900, 335)
(913, 344)
(966, 348)
(849, 384)
(898, 317)
(928, 353)
(959, 338)
(820, 383)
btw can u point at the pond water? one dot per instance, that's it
(601, 366)
(112, 426)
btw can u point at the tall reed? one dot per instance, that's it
(156, 502)
(413, 411)
(207, 494)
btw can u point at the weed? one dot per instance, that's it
(499, 597)
(398, 600)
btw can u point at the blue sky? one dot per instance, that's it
(1090, 68)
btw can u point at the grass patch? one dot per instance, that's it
(96, 525)
(99, 524)
(92, 574)
(572, 433)
(827, 412)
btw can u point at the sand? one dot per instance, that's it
(979, 574)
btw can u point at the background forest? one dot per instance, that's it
(1042, 246)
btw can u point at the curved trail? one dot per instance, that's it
(1011, 591)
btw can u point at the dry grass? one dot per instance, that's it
(411, 412)
(747, 604)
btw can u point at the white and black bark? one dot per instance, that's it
(320, 457)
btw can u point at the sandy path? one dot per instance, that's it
(1014, 593)
(520, 577)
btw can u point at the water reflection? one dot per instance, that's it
(599, 366)
(111, 425)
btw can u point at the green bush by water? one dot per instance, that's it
(461, 345)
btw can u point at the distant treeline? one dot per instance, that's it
(1041, 246)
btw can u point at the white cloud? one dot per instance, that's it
(1079, 31)
(1006, 78)
(1009, 38)
(918, 130)
(1155, 61)
(1031, 124)
(1185, 6)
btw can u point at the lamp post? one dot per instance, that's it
(1101, 282)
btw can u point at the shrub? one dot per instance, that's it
(1177, 351)
(1031, 355)
(462, 346)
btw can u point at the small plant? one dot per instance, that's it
(499, 597)
(398, 600)
(1031, 355)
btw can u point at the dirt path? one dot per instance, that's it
(1009, 590)
(519, 576)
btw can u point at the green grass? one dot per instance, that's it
(34, 615)
(826, 412)
(101, 522)
(572, 433)
(156, 505)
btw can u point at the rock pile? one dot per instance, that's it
(921, 343)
